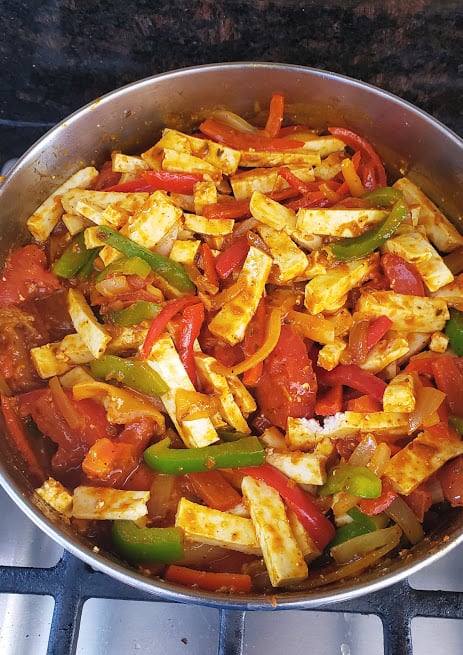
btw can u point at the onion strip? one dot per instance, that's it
(271, 339)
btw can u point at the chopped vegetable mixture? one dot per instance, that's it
(235, 359)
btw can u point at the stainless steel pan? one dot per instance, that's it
(130, 118)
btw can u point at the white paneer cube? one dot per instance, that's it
(57, 496)
(338, 222)
(154, 220)
(330, 355)
(211, 526)
(94, 335)
(127, 163)
(407, 313)
(390, 349)
(419, 459)
(399, 395)
(302, 433)
(416, 249)
(58, 357)
(265, 180)
(107, 504)
(231, 321)
(215, 383)
(272, 213)
(184, 252)
(208, 226)
(289, 261)
(304, 468)
(328, 292)
(439, 230)
(165, 360)
(282, 556)
(43, 221)
(177, 162)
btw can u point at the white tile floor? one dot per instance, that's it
(136, 627)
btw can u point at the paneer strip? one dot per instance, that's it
(107, 504)
(407, 313)
(439, 230)
(209, 226)
(452, 293)
(58, 357)
(57, 496)
(222, 157)
(416, 249)
(184, 252)
(154, 220)
(298, 157)
(215, 383)
(305, 542)
(111, 215)
(282, 556)
(127, 163)
(399, 395)
(328, 292)
(265, 180)
(390, 349)
(178, 162)
(205, 193)
(304, 468)
(324, 145)
(75, 223)
(129, 202)
(94, 335)
(331, 354)
(338, 222)
(303, 434)
(165, 360)
(231, 321)
(43, 221)
(419, 459)
(272, 213)
(289, 261)
(211, 526)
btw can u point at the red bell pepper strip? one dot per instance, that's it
(207, 263)
(377, 329)
(449, 379)
(214, 490)
(295, 182)
(275, 116)
(243, 140)
(189, 329)
(16, 432)
(209, 580)
(330, 402)
(160, 180)
(353, 376)
(320, 529)
(359, 143)
(231, 258)
(106, 177)
(402, 276)
(170, 309)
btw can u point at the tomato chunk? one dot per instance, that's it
(288, 385)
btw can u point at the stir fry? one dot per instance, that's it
(235, 360)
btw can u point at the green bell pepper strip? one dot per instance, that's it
(173, 272)
(126, 266)
(454, 330)
(231, 435)
(357, 480)
(355, 247)
(146, 545)
(361, 524)
(87, 269)
(74, 257)
(133, 373)
(383, 197)
(245, 452)
(142, 310)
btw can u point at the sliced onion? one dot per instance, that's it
(73, 418)
(113, 285)
(428, 401)
(360, 546)
(364, 451)
(406, 518)
(234, 120)
(380, 458)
